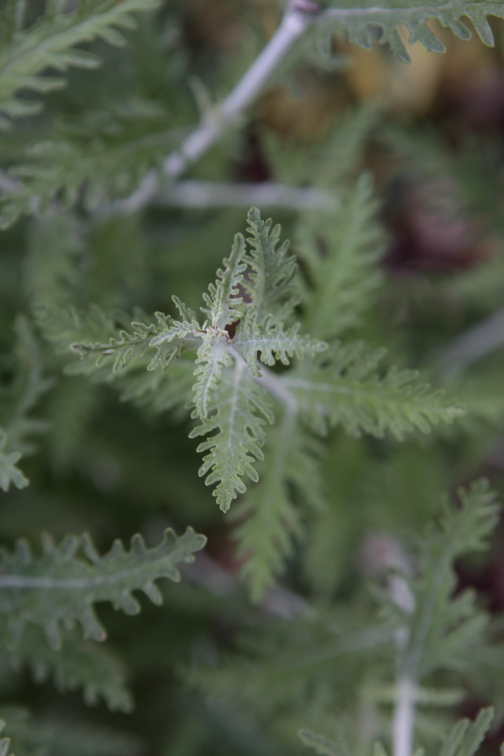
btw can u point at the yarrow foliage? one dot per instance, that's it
(296, 411)
(237, 391)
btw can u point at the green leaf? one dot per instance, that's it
(237, 410)
(442, 628)
(164, 391)
(291, 470)
(466, 737)
(100, 157)
(454, 623)
(96, 339)
(212, 357)
(359, 23)
(59, 735)
(271, 342)
(223, 299)
(345, 388)
(77, 664)
(60, 586)
(9, 473)
(271, 284)
(50, 42)
(342, 255)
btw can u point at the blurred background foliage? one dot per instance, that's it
(432, 134)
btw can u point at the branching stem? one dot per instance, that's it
(214, 125)
(211, 128)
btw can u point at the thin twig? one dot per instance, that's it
(206, 194)
(383, 552)
(403, 720)
(215, 124)
(404, 717)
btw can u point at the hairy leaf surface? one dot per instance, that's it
(60, 586)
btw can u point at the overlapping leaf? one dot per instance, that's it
(50, 43)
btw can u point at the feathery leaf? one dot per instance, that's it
(94, 336)
(61, 587)
(441, 628)
(271, 283)
(272, 517)
(271, 342)
(342, 257)
(359, 23)
(237, 410)
(77, 664)
(345, 388)
(50, 43)
(9, 473)
(102, 158)
(224, 298)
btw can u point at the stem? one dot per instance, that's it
(372, 12)
(205, 194)
(403, 721)
(214, 126)
(404, 717)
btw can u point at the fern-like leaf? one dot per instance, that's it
(271, 284)
(163, 391)
(96, 339)
(238, 410)
(346, 389)
(359, 23)
(224, 298)
(98, 160)
(466, 737)
(77, 664)
(453, 623)
(212, 357)
(272, 518)
(9, 473)
(50, 43)
(271, 342)
(61, 587)
(342, 258)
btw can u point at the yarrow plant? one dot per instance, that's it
(292, 375)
